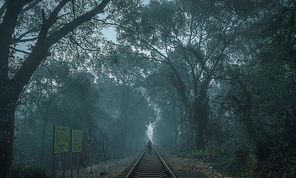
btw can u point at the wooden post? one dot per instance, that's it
(53, 160)
(90, 150)
(64, 156)
(103, 145)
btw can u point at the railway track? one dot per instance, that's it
(149, 166)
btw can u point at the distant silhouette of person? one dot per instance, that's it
(81, 158)
(149, 146)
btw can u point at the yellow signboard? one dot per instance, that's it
(61, 139)
(76, 141)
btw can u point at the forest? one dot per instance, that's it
(212, 78)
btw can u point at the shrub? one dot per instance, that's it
(22, 170)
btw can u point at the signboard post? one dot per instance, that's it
(61, 139)
(76, 141)
(60, 143)
(90, 141)
(76, 146)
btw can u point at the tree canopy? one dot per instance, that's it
(215, 80)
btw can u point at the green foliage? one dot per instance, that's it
(278, 42)
(22, 169)
(25, 170)
(280, 161)
(277, 68)
(228, 159)
(231, 157)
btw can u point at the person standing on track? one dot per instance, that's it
(81, 158)
(149, 146)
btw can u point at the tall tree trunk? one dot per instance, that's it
(187, 128)
(8, 99)
(124, 116)
(11, 88)
(200, 116)
(175, 120)
(43, 141)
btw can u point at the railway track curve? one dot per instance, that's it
(149, 166)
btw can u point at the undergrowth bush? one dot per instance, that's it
(23, 170)
(230, 158)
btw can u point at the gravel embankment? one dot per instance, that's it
(183, 167)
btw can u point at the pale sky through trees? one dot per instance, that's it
(110, 33)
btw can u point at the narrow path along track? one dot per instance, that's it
(150, 166)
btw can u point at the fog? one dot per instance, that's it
(213, 80)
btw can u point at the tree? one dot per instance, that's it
(194, 39)
(260, 95)
(56, 94)
(277, 67)
(127, 69)
(43, 36)
(162, 93)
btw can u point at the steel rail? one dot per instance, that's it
(136, 168)
(169, 170)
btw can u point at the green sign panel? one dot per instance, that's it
(61, 139)
(76, 141)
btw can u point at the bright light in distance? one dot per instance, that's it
(149, 132)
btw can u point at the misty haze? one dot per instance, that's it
(147, 88)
